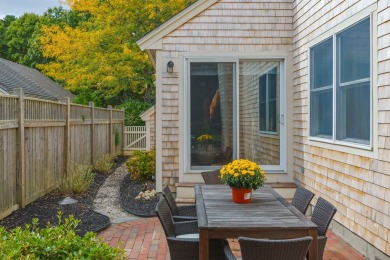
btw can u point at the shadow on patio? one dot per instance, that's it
(145, 239)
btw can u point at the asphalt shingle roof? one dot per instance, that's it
(33, 83)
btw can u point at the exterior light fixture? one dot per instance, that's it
(67, 202)
(170, 66)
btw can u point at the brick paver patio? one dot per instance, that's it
(145, 239)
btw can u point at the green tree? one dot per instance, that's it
(133, 109)
(20, 36)
(101, 53)
(4, 24)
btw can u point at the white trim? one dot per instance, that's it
(374, 83)
(344, 25)
(145, 116)
(334, 32)
(158, 121)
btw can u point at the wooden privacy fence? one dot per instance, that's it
(39, 139)
(136, 138)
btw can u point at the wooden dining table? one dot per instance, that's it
(269, 215)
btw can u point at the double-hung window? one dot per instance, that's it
(340, 86)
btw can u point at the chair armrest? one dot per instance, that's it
(186, 227)
(183, 218)
(189, 210)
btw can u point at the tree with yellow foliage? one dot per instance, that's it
(100, 55)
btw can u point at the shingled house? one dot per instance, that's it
(301, 87)
(33, 83)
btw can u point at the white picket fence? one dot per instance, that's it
(136, 138)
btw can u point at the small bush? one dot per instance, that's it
(142, 166)
(133, 108)
(117, 136)
(79, 180)
(54, 242)
(105, 163)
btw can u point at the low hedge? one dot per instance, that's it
(54, 242)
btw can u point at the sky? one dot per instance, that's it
(19, 7)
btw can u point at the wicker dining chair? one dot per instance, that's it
(211, 177)
(302, 198)
(183, 237)
(182, 213)
(280, 249)
(323, 214)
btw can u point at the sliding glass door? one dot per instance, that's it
(230, 118)
(211, 113)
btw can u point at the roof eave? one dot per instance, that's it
(145, 116)
(152, 39)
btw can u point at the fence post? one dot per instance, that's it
(67, 136)
(111, 130)
(92, 105)
(21, 176)
(147, 124)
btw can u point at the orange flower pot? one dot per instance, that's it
(240, 195)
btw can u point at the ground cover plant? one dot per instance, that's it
(59, 241)
(81, 178)
(105, 163)
(46, 208)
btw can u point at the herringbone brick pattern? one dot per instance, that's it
(144, 239)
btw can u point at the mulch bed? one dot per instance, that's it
(46, 209)
(129, 190)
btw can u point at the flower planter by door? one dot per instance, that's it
(241, 195)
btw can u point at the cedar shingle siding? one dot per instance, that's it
(356, 181)
(358, 186)
(225, 27)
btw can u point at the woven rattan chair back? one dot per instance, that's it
(211, 177)
(322, 215)
(170, 200)
(302, 198)
(281, 249)
(165, 216)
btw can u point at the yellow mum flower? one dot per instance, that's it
(243, 173)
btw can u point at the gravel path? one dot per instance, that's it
(107, 200)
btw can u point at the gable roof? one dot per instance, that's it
(33, 83)
(145, 116)
(152, 40)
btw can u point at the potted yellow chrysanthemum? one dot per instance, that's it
(242, 176)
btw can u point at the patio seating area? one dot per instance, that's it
(144, 239)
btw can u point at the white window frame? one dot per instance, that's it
(333, 33)
(282, 167)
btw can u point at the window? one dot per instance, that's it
(340, 71)
(268, 101)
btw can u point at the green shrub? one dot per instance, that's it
(54, 242)
(117, 136)
(79, 180)
(142, 166)
(105, 163)
(133, 108)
